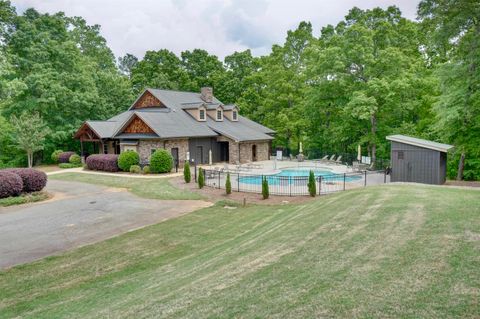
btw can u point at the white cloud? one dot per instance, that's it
(220, 27)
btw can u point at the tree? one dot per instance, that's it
(201, 68)
(228, 185)
(312, 186)
(265, 190)
(453, 28)
(30, 132)
(127, 63)
(368, 75)
(187, 176)
(201, 178)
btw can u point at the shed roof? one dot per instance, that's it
(420, 142)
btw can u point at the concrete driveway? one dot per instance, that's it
(78, 214)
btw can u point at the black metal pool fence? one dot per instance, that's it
(293, 185)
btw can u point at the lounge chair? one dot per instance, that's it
(324, 159)
(332, 158)
(339, 160)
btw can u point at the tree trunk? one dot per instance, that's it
(29, 158)
(461, 165)
(373, 121)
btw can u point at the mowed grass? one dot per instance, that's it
(377, 252)
(155, 188)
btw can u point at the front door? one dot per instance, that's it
(174, 152)
(199, 155)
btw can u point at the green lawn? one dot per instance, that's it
(376, 252)
(156, 188)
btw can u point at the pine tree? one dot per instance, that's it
(228, 185)
(265, 191)
(201, 179)
(186, 172)
(312, 188)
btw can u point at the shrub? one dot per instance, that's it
(65, 157)
(135, 169)
(75, 159)
(32, 179)
(103, 162)
(127, 159)
(10, 184)
(146, 169)
(312, 187)
(69, 165)
(187, 175)
(265, 191)
(161, 161)
(200, 178)
(228, 185)
(55, 155)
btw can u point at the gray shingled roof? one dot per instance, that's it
(175, 122)
(238, 131)
(420, 142)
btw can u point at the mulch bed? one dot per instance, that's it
(463, 183)
(215, 194)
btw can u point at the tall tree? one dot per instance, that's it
(454, 30)
(369, 66)
(275, 93)
(201, 68)
(126, 63)
(159, 69)
(29, 132)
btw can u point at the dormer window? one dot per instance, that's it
(234, 115)
(219, 115)
(201, 115)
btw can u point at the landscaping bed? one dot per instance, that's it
(24, 199)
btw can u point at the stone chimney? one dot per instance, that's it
(207, 94)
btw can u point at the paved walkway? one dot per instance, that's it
(78, 214)
(84, 171)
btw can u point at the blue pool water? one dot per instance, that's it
(296, 176)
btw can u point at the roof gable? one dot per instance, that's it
(137, 125)
(147, 100)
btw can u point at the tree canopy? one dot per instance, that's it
(372, 74)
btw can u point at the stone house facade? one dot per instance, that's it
(191, 126)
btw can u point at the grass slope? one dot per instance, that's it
(156, 188)
(391, 251)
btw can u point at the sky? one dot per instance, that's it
(219, 26)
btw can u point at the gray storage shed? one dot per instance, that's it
(417, 160)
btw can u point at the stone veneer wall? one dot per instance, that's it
(245, 150)
(144, 148)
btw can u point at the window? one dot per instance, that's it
(219, 115)
(152, 150)
(234, 115)
(400, 155)
(201, 115)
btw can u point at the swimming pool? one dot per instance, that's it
(296, 175)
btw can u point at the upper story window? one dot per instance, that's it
(201, 115)
(234, 115)
(219, 115)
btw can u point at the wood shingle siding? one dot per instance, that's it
(147, 100)
(138, 126)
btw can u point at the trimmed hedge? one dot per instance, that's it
(69, 165)
(75, 159)
(127, 159)
(103, 162)
(135, 169)
(65, 157)
(161, 161)
(10, 184)
(55, 155)
(32, 179)
(146, 169)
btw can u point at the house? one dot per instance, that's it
(417, 160)
(192, 126)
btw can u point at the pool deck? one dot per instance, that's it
(295, 185)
